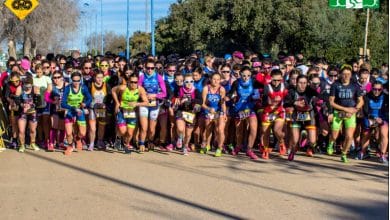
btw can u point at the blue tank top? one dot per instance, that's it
(375, 106)
(213, 100)
(244, 93)
(199, 84)
(151, 84)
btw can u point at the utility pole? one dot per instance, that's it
(366, 35)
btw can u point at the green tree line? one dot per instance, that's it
(269, 26)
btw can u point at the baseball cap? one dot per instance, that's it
(25, 64)
(228, 56)
(238, 54)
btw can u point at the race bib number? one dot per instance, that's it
(372, 123)
(153, 103)
(271, 117)
(303, 116)
(188, 117)
(129, 113)
(344, 115)
(244, 114)
(289, 116)
(100, 112)
(213, 116)
(162, 111)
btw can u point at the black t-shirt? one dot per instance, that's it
(345, 95)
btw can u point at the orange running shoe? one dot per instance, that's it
(68, 150)
(265, 154)
(282, 149)
(309, 152)
(79, 145)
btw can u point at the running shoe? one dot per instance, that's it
(50, 147)
(185, 151)
(169, 147)
(218, 153)
(309, 152)
(22, 148)
(141, 149)
(69, 150)
(179, 143)
(204, 150)
(329, 150)
(13, 144)
(118, 144)
(34, 146)
(383, 160)
(79, 145)
(265, 154)
(282, 149)
(128, 149)
(291, 155)
(344, 158)
(2, 149)
(91, 147)
(236, 150)
(251, 155)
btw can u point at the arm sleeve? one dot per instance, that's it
(333, 90)
(163, 88)
(265, 96)
(141, 80)
(87, 95)
(366, 106)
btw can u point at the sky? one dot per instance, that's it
(115, 15)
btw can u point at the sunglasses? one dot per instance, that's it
(179, 81)
(225, 71)
(28, 86)
(150, 68)
(46, 67)
(128, 73)
(276, 80)
(104, 65)
(315, 84)
(189, 82)
(376, 90)
(57, 77)
(76, 81)
(133, 82)
(87, 68)
(62, 63)
(267, 68)
(53, 67)
(171, 71)
(332, 75)
(245, 75)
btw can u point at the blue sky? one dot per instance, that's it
(115, 13)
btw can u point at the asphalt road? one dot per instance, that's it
(160, 185)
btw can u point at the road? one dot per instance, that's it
(161, 185)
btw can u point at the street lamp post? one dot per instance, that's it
(101, 26)
(127, 32)
(152, 26)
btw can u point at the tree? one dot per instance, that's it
(307, 26)
(45, 29)
(140, 43)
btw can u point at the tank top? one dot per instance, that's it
(98, 95)
(151, 84)
(75, 99)
(129, 96)
(375, 106)
(244, 93)
(213, 100)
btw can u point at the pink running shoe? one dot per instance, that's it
(252, 155)
(236, 150)
(169, 147)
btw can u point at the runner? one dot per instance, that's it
(376, 109)
(273, 113)
(156, 92)
(131, 96)
(76, 99)
(27, 100)
(244, 94)
(346, 99)
(214, 113)
(187, 101)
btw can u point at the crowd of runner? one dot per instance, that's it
(239, 103)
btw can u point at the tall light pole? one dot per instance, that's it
(101, 26)
(152, 26)
(127, 32)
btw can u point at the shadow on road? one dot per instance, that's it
(140, 188)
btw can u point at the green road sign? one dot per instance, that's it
(354, 3)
